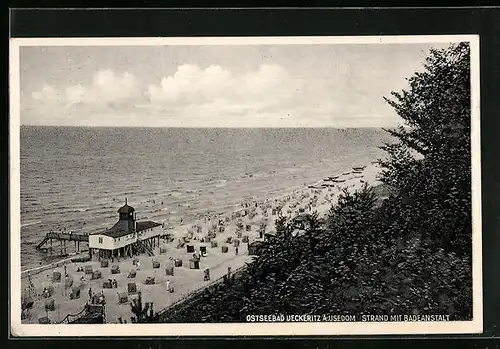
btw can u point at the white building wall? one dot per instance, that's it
(108, 243)
(101, 241)
(123, 241)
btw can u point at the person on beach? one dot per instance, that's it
(168, 285)
(236, 250)
(138, 265)
(90, 293)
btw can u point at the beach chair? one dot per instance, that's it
(56, 276)
(244, 239)
(115, 269)
(178, 263)
(229, 239)
(88, 269)
(236, 243)
(222, 229)
(75, 293)
(163, 250)
(132, 288)
(131, 274)
(27, 302)
(44, 321)
(48, 291)
(156, 264)
(150, 280)
(239, 234)
(190, 248)
(122, 297)
(203, 251)
(169, 271)
(214, 244)
(50, 304)
(107, 284)
(224, 249)
(68, 282)
(96, 274)
(194, 264)
(104, 263)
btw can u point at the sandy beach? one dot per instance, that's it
(319, 196)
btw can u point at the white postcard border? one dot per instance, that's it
(240, 329)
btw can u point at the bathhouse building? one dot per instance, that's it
(126, 237)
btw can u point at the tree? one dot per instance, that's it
(142, 313)
(430, 164)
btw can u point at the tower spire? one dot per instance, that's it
(125, 200)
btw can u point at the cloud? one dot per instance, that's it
(219, 88)
(107, 88)
(48, 94)
(267, 96)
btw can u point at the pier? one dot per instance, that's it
(62, 238)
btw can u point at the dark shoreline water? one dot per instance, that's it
(76, 178)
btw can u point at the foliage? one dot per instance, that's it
(143, 313)
(430, 165)
(406, 254)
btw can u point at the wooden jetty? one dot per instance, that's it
(62, 238)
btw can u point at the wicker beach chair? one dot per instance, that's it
(50, 304)
(122, 297)
(56, 276)
(75, 293)
(115, 269)
(104, 263)
(132, 288)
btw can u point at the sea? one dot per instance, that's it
(76, 178)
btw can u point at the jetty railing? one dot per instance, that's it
(89, 312)
(72, 317)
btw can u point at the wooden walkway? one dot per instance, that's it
(63, 238)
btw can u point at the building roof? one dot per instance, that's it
(146, 225)
(116, 231)
(126, 209)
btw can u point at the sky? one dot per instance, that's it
(329, 85)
